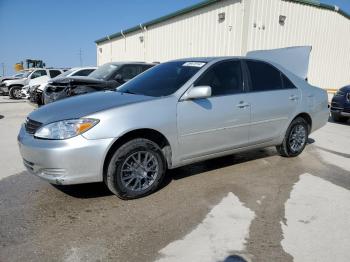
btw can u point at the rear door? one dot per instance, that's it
(217, 123)
(273, 99)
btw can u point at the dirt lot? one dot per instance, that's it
(255, 205)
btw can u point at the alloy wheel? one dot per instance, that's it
(139, 170)
(297, 138)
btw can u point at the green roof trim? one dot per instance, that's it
(158, 20)
(206, 3)
(322, 5)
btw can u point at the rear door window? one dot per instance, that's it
(145, 67)
(130, 71)
(287, 84)
(264, 77)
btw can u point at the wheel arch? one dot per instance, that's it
(147, 133)
(306, 117)
(19, 85)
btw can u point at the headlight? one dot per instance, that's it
(66, 129)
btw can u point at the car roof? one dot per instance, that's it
(83, 68)
(208, 59)
(130, 62)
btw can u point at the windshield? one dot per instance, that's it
(20, 75)
(162, 80)
(104, 72)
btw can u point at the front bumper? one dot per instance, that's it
(4, 88)
(72, 161)
(341, 111)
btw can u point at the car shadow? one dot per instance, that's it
(217, 163)
(91, 190)
(96, 190)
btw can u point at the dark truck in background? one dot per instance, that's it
(340, 106)
(106, 77)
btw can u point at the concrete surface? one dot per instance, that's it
(257, 206)
(12, 115)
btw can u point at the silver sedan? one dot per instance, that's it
(174, 114)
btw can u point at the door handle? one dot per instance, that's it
(293, 97)
(242, 104)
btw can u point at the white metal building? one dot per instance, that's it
(233, 27)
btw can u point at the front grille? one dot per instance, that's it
(32, 126)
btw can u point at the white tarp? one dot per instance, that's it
(295, 59)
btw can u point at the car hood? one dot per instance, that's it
(83, 105)
(15, 81)
(82, 80)
(39, 80)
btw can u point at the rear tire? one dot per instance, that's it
(295, 139)
(15, 92)
(339, 118)
(136, 169)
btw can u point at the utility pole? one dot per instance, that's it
(81, 57)
(3, 69)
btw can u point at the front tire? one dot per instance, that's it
(136, 169)
(295, 139)
(15, 92)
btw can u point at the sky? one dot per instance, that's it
(56, 31)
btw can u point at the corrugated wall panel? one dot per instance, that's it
(326, 31)
(249, 25)
(193, 34)
(104, 53)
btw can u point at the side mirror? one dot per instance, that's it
(197, 92)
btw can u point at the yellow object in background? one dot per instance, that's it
(18, 67)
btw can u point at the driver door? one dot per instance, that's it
(220, 122)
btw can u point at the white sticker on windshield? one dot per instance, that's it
(195, 64)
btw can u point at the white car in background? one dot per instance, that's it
(34, 89)
(14, 86)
